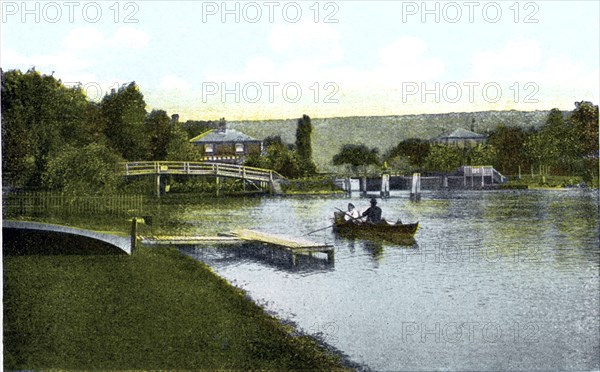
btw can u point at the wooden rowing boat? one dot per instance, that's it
(384, 230)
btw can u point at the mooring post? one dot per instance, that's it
(348, 186)
(482, 177)
(218, 184)
(331, 256)
(385, 184)
(158, 185)
(363, 185)
(133, 234)
(415, 193)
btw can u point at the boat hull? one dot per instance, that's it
(386, 231)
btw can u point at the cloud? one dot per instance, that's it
(91, 38)
(83, 38)
(65, 61)
(406, 59)
(314, 43)
(130, 37)
(172, 82)
(517, 56)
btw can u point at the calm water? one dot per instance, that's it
(496, 280)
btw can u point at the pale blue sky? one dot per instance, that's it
(377, 59)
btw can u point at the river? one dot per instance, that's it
(496, 280)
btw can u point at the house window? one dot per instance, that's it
(239, 148)
(208, 148)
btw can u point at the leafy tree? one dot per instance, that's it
(304, 145)
(555, 144)
(124, 113)
(416, 150)
(179, 148)
(87, 170)
(510, 144)
(356, 156)
(444, 158)
(482, 155)
(158, 125)
(280, 158)
(584, 119)
(39, 116)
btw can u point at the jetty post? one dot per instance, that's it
(363, 186)
(134, 238)
(415, 192)
(385, 184)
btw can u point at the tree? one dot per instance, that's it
(482, 155)
(510, 144)
(356, 156)
(87, 170)
(444, 158)
(555, 144)
(39, 116)
(179, 148)
(158, 125)
(416, 150)
(124, 113)
(584, 119)
(304, 144)
(278, 157)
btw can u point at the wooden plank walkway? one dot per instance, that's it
(292, 243)
(191, 240)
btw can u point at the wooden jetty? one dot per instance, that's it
(293, 245)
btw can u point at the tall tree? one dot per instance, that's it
(585, 121)
(124, 112)
(304, 144)
(510, 144)
(158, 125)
(39, 116)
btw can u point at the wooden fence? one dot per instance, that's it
(43, 203)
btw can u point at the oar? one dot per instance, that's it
(324, 228)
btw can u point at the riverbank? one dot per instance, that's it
(154, 310)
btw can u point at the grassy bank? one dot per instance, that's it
(550, 181)
(154, 310)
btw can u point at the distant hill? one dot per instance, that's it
(384, 132)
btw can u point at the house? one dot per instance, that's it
(228, 145)
(460, 137)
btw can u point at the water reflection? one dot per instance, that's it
(524, 263)
(262, 254)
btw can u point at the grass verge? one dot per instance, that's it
(154, 310)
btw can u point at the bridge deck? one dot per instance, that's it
(199, 169)
(121, 242)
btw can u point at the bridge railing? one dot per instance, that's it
(199, 168)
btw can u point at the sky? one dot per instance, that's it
(273, 60)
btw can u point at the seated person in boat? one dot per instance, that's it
(373, 214)
(352, 214)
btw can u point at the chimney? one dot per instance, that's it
(222, 126)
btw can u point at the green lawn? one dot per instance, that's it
(154, 310)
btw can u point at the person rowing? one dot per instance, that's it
(373, 213)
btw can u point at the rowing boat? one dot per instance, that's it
(384, 230)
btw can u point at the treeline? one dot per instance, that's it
(54, 138)
(562, 146)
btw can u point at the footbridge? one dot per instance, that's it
(257, 176)
(121, 242)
